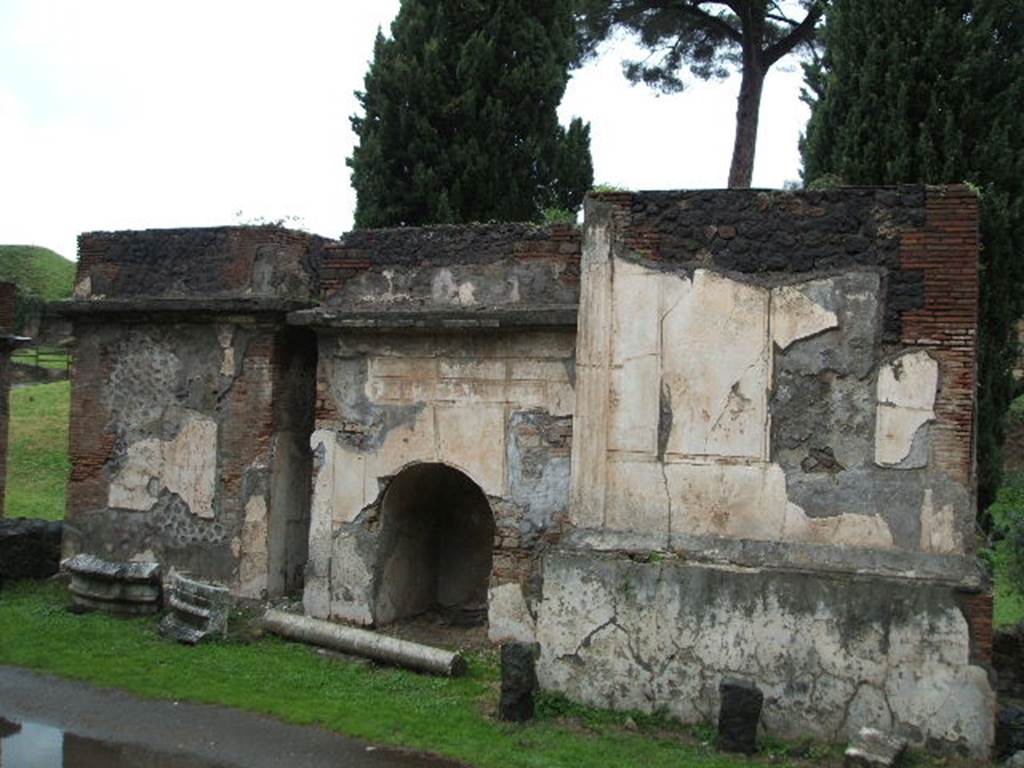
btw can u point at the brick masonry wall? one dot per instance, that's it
(206, 263)
(239, 392)
(769, 236)
(944, 253)
(8, 300)
(477, 248)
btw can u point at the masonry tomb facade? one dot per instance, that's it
(708, 434)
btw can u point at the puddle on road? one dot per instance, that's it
(32, 745)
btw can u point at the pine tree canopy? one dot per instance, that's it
(710, 38)
(932, 91)
(460, 118)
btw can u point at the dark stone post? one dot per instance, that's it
(518, 681)
(738, 716)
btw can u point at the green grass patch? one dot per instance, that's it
(37, 270)
(1008, 516)
(37, 451)
(43, 357)
(390, 706)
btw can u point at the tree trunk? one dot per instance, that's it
(747, 113)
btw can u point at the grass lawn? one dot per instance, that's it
(44, 273)
(37, 451)
(47, 357)
(296, 684)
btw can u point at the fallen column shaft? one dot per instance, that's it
(360, 642)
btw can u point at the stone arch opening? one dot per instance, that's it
(435, 548)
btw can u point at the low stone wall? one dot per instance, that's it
(831, 653)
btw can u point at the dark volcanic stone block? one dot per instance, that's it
(518, 681)
(1010, 729)
(29, 549)
(738, 716)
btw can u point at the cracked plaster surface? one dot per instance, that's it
(906, 392)
(185, 465)
(689, 382)
(830, 657)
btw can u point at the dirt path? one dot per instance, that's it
(205, 734)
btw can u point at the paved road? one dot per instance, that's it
(226, 737)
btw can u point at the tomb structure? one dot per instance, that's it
(708, 435)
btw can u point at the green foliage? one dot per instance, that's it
(695, 35)
(1008, 553)
(927, 91)
(40, 274)
(558, 216)
(37, 451)
(708, 38)
(825, 181)
(38, 271)
(460, 118)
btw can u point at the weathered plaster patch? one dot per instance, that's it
(538, 465)
(225, 337)
(252, 567)
(906, 393)
(185, 466)
(795, 316)
(446, 290)
(749, 501)
(83, 288)
(351, 581)
(718, 409)
(939, 531)
(508, 617)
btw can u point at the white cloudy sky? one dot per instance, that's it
(130, 114)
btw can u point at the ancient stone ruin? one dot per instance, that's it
(713, 435)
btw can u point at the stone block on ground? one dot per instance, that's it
(738, 716)
(1017, 761)
(29, 549)
(1008, 661)
(1010, 729)
(871, 748)
(121, 588)
(198, 610)
(518, 681)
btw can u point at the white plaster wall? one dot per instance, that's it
(185, 465)
(673, 425)
(829, 657)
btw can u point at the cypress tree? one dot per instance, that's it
(460, 118)
(932, 91)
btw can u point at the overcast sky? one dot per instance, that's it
(131, 114)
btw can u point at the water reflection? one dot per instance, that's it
(32, 745)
